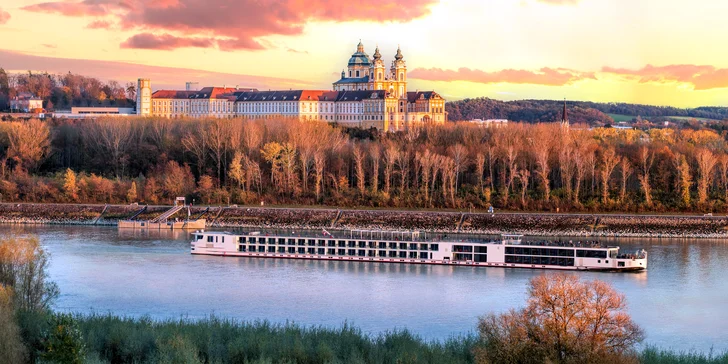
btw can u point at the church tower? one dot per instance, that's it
(378, 72)
(144, 97)
(399, 75)
(564, 117)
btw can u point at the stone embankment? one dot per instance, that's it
(534, 224)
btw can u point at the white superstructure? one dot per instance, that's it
(412, 247)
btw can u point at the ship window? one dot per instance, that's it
(424, 255)
(342, 252)
(209, 239)
(481, 249)
(620, 264)
(291, 250)
(311, 250)
(599, 261)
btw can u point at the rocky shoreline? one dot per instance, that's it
(532, 224)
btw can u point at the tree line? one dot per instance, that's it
(535, 111)
(520, 166)
(63, 91)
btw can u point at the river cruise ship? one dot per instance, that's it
(416, 248)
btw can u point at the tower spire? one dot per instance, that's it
(564, 116)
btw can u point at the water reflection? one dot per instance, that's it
(680, 299)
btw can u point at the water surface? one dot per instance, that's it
(681, 301)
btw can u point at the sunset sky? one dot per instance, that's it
(664, 52)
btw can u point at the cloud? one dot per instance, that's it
(231, 25)
(99, 24)
(72, 8)
(162, 77)
(291, 50)
(52, 46)
(545, 76)
(165, 42)
(4, 16)
(701, 77)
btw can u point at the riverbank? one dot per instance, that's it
(534, 224)
(114, 339)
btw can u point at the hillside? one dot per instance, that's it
(533, 111)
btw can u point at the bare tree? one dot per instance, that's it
(359, 168)
(625, 171)
(375, 155)
(706, 166)
(195, 141)
(646, 158)
(609, 162)
(391, 155)
(113, 136)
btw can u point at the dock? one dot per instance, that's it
(165, 220)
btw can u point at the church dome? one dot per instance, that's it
(360, 58)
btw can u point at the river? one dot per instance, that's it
(681, 300)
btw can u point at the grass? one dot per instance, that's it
(620, 117)
(652, 355)
(114, 339)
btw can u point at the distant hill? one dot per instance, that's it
(533, 111)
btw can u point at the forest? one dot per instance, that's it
(526, 167)
(534, 111)
(62, 91)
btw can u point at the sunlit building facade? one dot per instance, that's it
(367, 96)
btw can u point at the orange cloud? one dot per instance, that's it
(230, 25)
(99, 24)
(165, 42)
(4, 16)
(702, 77)
(544, 76)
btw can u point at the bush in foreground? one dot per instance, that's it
(566, 320)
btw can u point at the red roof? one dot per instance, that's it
(213, 92)
(172, 94)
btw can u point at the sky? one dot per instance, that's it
(660, 52)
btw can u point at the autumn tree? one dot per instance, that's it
(131, 194)
(646, 158)
(625, 168)
(542, 145)
(684, 179)
(359, 155)
(29, 143)
(374, 156)
(706, 167)
(70, 187)
(24, 268)
(566, 320)
(609, 161)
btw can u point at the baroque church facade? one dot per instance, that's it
(367, 95)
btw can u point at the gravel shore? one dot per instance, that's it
(533, 224)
